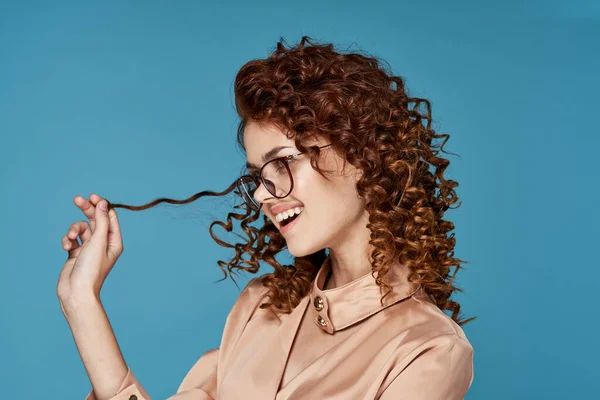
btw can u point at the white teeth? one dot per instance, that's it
(288, 213)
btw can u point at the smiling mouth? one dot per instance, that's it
(288, 220)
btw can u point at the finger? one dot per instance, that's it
(95, 199)
(81, 229)
(102, 222)
(72, 246)
(74, 250)
(115, 239)
(88, 209)
(69, 244)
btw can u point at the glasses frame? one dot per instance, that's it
(258, 178)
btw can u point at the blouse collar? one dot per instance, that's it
(340, 307)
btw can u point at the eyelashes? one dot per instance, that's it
(291, 159)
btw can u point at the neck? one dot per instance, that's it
(344, 271)
(350, 259)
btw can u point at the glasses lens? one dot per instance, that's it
(247, 187)
(277, 179)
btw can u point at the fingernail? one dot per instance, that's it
(102, 205)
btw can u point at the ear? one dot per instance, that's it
(353, 172)
(348, 170)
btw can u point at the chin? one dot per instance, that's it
(298, 252)
(303, 250)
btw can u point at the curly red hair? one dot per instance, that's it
(354, 102)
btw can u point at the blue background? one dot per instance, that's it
(134, 101)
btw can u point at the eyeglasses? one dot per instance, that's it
(275, 175)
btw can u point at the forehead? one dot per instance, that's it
(260, 138)
(257, 136)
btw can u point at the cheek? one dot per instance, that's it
(310, 187)
(333, 199)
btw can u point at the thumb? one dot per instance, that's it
(102, 222)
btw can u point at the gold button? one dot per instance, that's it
(321, 321)
(318, 303)
(133, 397)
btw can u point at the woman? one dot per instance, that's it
(338, 163)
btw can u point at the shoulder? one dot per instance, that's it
(240, 313)
(251, 295)
(254, 289)
(438, 368)
(421, 326)
(427, 319)
(247, 301)
(429, 343)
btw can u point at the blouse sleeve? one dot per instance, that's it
(200, 383)
(443, 371)
(130, 389)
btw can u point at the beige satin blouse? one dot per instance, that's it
(337, 344)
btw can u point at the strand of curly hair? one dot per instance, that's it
(355, 102)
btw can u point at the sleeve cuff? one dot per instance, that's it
(130, 389)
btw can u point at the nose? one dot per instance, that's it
(262, 195)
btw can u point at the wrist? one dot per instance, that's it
(80, 305)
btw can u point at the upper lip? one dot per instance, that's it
(284, 207)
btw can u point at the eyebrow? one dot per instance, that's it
(267, 156)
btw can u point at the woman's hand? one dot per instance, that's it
(89, 263)
(79, 284)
